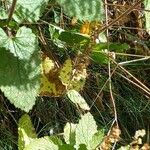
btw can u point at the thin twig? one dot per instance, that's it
(123, 27)
(132, 61)
(130, 9)
(139, 82)
(121, 54)
(134, 83)
(130, 55)
(111, 94)
(9, 112)
(109, 66)
(100, 92)
(46, 47)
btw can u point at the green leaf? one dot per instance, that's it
(83, 9)
(28, 10)
(3, 38)
(19, 79)
(61, 37)
(85, 130)
(22, 45)
(56, 140)
(54, 33)
(44, 143)
(73, 38)
(147, 15)
(77, 99)
(97, 139)
(26, 131)
(3, 13)
(82, 147)
(66, 147)
(98, 51)
(69, 133)
(99, 58)
(116, 47)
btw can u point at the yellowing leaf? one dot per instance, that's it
(47, 88)
(55, 81)
(72, 78)
(26, 131)
(79, 79)
(47, 65)
(50, 83)
(66, 72)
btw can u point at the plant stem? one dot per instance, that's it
(11, 11)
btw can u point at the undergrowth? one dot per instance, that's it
(107, 64)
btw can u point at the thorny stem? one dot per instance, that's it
(11, 11)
